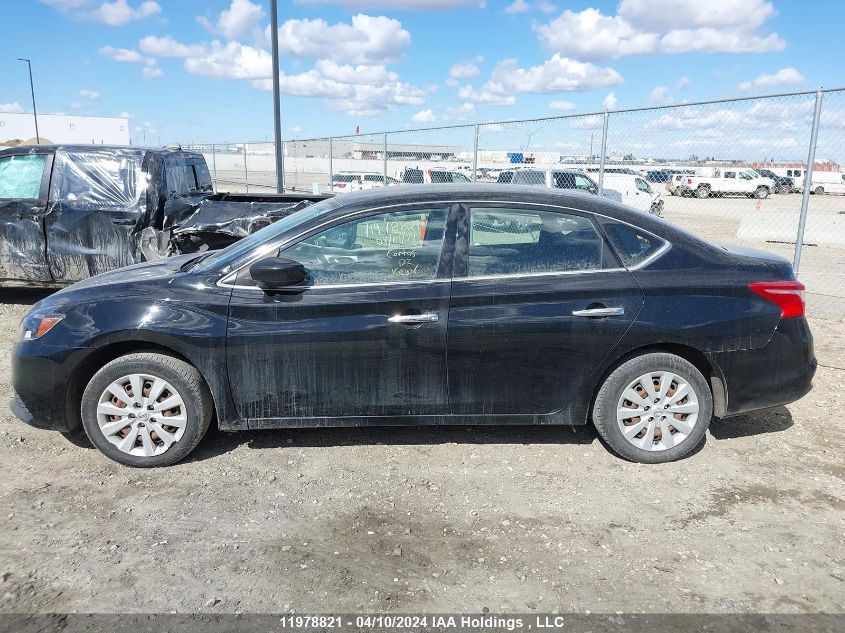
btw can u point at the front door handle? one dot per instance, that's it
(599, 312)
(413, 319)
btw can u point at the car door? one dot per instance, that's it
(538, 300)
(365, 336)
(24, 186)
(96, 210)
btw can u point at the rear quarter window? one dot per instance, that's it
(633, 245)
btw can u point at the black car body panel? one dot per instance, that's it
(502, 348)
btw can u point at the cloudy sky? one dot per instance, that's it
(200, 70)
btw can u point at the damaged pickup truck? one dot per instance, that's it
(68, 212)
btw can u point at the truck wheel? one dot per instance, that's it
(146, 409)
(761, 193)
(653, 408)
(819, 191)
(702, 192)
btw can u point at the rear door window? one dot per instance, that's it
(529, 177)
(633, 245)
(514, 241)
(20, 176)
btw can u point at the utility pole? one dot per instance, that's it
(277, 114)
(32, 90)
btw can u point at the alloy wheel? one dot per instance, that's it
(657, 411)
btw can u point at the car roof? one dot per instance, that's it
(79, 147)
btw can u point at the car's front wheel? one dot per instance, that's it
(146, 409)
(653, 408)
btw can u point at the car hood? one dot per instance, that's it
(156, 273)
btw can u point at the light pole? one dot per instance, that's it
(32, 90)
(277, 115)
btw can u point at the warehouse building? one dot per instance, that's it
(16, 127)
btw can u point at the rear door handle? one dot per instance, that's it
(599, 312)
(412, 319)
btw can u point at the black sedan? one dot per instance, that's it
(447, 304)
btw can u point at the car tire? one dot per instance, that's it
(762, 193)
(702, 192)
(160, 437)
(691, 412)
(819, 191)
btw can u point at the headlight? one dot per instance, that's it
(37, 325)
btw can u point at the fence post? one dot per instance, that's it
(384, 167)
(808, 182)
(246, 171)
(214, 161)
(331, 168)
(603, 152)
(475, 155)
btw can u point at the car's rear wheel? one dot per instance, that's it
(819, 191)
(653, 408)
(761, 193)
(702, 192)
(146, 409)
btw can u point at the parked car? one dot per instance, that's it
(558, 178)
(418, 176)
(505, 176)
(782, 184)
(827, 182)
(721, 182)
(346, 181)
(454, 304)
(635, 191)
(68, 212)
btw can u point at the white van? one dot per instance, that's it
(636, 192)
(827, 182)
(557, 178)
(346, 181)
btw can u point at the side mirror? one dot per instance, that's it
(276, 273)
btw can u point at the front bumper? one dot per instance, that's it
(40, 379)
(778, 373)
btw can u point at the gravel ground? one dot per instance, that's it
(397, 519)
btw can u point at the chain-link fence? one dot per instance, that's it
(764, 171)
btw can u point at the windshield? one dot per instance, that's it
(228, 255)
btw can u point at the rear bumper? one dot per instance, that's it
(778, 373)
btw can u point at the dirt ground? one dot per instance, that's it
(433, 520)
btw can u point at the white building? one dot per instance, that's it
(64, 128)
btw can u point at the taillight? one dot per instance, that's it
(689, 181)
(340, 185)
(787, 295)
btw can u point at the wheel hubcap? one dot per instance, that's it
(142, 415)
(657, 411)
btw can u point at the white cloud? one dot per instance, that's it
(781, 78)
(91, 95)
(424, 116)
(400, 4)
(242, 19)
(517, 6)
(470, 94)
(230, 61)
(564, 106)
(662, 95)
(168, 47)
(367, 40)
(464, 70)
(152, 72)
(558, 74)
(610, 101)
(125, 115)
(120, 12)
(650, 27)
(124, 55)
(547, 7)
(11, 107)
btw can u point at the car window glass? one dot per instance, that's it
(730, 174)
(582, 182)
(175, 176)
(642, 185)
(529, 177)
(397, 246)
(203, 176)
(507, 241)
(373, 178)
(563, 180)
(100, 178)
(459, 177)
(413, 176)
(20, 176)
(633, 245)
(440, 176)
